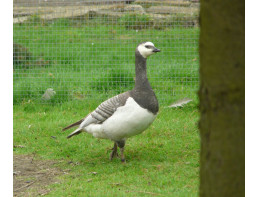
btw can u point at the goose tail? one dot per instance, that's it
(73, 125)
(76, 132)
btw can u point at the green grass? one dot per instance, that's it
(85, 62)
(83, 59)
(162, 160)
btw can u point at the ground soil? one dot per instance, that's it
(31, 177)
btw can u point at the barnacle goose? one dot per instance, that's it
(126, 114)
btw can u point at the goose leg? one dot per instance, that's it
(114, 151)
(121, 145)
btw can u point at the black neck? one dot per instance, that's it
(143, 93)
(141, 72)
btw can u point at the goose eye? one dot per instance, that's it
(148, 47)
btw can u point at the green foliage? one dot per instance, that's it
(113, 79)
(34, 19)
(136, 21)
(21, 56)
(79, 65)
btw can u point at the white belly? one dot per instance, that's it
(128, 120)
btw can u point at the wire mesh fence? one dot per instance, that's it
(67, 50)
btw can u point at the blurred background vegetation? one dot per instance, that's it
(90, 54)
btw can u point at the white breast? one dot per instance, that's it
(128, 120)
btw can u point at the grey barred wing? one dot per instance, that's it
(108, 107)
(105, 110)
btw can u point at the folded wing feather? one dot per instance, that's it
(101, 113)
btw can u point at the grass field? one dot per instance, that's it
(83, 69)
(164, 160)
(95, 60)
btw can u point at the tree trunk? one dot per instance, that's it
(222, 98)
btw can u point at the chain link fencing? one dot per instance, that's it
(72, 50)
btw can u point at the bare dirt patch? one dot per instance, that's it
(31, 177)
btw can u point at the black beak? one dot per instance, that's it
(155, 50)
